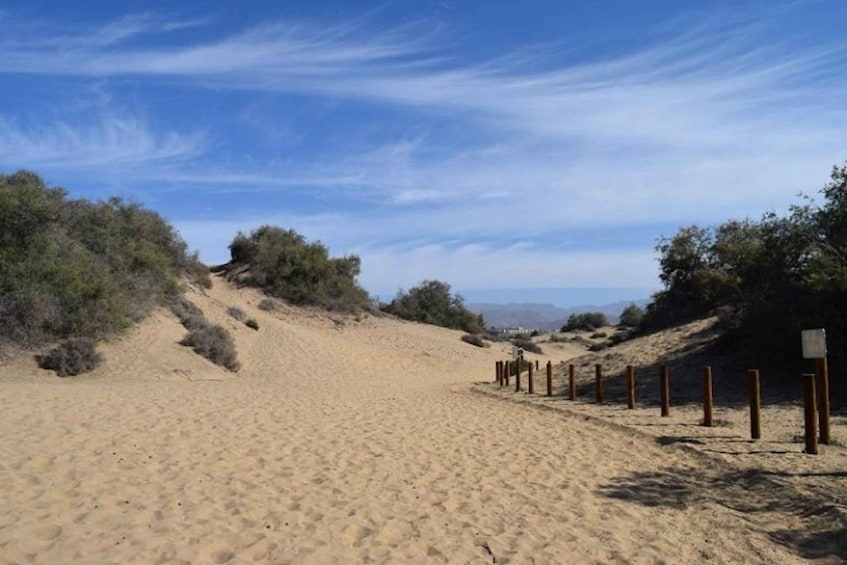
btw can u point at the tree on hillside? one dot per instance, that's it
(631, 316)
(432, 303)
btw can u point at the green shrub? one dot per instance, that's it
(72, 357)
(215, 344)
(527, 345)
(598, 335)
(432, 303)
(597, 346)
(252, 323)
(585, 321)
(631, 316)
(75, 268)
(476, 340)
(284, 264)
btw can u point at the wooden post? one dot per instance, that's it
(822, 381)
(665, 388)
(810, 403)
(572, 382)
(598, 382)
(707, 397)
(518, 375)
(529, 387)
(549, 378)
(630, 387)
(755, 404)
(536, 364)
(497, 371)
(507, 372)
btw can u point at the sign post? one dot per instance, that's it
(814, 347)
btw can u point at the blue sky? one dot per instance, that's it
(493, 145)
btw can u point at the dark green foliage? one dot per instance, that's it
(527, 345)
(252, 323)
(284, 264)
(535, 333)
(598, 346)
(215, 344)
(475, 339)
(599, 335)
(432, 303)
(631, 316)
(78, 268)
(72, 357)
(766, 280)
(585, 321)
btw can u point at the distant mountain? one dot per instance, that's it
(543, 316)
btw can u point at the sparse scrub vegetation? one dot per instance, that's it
(268, 305)
(285, 265)
(252, 324)
(215, 344)
(431, 302)
(212, 342)
(237, 313)
(72, 357)
(599, 335)
(475, 339)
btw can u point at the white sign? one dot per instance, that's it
(814, 343)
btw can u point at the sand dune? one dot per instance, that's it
(339, 441)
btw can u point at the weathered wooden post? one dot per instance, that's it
(665, 389)
(536, 364)
(630, 387)
(529, 383)
(507, 371)
(810, 415)
(707, 397)
(755, 404)
(518, 375)
(497, 372)
(572, 382)
(598, 382)
(822, 381)
(549, 378)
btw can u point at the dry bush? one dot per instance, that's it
(252, 323)
(237, 313)
(73, 357)
(474, 339)
(215, 344)
(268, 305)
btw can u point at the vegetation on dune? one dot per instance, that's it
(76, 268)
(475, 339)
(766, 279)
(527, 345)
(585, 321)
(631, 316)
(285, 265)
(72, 357)
(431, 302)
(210, 341)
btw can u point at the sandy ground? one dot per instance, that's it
(346, 441)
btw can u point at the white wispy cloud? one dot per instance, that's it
(110, 141)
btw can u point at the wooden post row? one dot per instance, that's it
(755, 404)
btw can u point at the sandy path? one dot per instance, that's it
(376, 451)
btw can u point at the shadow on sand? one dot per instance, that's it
(824, 531)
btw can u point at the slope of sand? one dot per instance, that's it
(339, 441)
